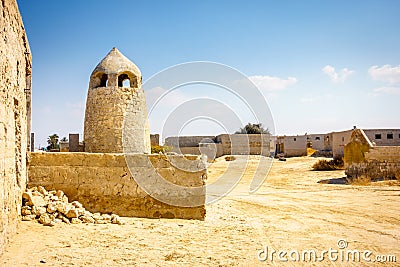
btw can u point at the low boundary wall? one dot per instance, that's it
(103, 183)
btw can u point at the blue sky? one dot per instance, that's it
(322, 65)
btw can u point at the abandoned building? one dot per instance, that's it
(223, 144)
(369, 160)
(291, 146)
(379, 137)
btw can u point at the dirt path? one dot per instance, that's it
(290, 211)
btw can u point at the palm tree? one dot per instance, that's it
(52, 142)
(252, 128)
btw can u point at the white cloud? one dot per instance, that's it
(270, 83)
(388, 90)
(335, 76)
(386, 73)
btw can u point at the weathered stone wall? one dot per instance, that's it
(317, 141)
(187, 141)
(388, 137)
(155, 139)
(245, 144)
(103, 183)
(106, 108)
(292, 146)
(225, 144)
(339, 140)
(363, 160)
(15, 77)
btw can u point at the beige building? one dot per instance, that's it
(378, 137)
(366, 160)
(291, 146)
(223, 144)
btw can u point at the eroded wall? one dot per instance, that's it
(364, 160)
(292, 146)
(339, 140)
(15, 77)
(102, 182)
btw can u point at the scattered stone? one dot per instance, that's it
(46, 220)
(87, 219)
(37, 201)
(72, 213)
(106, 217)
(76, 221)
(41, 190)
(63, 207)
(38, 211)
(26, 210)
(59, 194)
(51, 207)
(76, 204)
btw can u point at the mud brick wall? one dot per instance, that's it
(245, 144)
(363, 160)
(15, 85)
(103, 183)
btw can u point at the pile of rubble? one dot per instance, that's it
(51, 207)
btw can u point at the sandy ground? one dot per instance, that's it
(290, 212)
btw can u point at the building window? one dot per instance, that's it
(294, 139)
(343, 139)
(124, 81)
(378, 136)
(317, 138)
(389, 136)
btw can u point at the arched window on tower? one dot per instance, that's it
(124, 80)
(99, 80)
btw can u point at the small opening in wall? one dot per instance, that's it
(389, 136)
(317, 138)
(104, 80)
(295, 139)
(378, 136)
(124, 80)
(342, 139)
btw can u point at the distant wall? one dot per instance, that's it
(15, 92)
(245, 144)
(384, 137)
(292, 146)
(339, 140)
(224, 144)
(317, 141)
(363, 160)
(103, 182)
(155, 139)
(186, 141)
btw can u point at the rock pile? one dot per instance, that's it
(51, 207)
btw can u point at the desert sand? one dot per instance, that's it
(290, 212)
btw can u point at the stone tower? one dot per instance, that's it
(116, 108)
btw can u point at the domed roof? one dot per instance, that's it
(115, 62)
